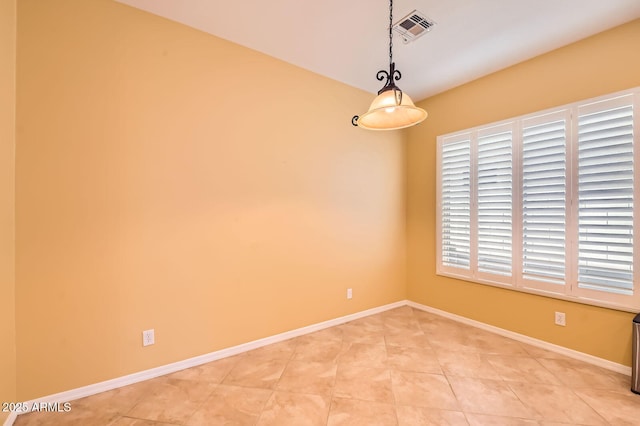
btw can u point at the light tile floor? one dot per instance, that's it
(400, 367)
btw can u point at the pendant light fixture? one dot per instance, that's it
(391, 109)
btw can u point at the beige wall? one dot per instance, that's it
(7, 202)
(172, 180)
(602, 64)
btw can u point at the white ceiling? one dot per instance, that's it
(347, 40)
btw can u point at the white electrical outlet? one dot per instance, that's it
(148, 337)
(561, 319)
(349, 293)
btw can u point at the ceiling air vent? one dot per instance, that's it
(413, 26)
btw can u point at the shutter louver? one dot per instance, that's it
(456, 204)
(605, 200)
(495, 163)
(544, 201)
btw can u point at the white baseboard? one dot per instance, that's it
(9, 420)
(581, 356)
(195, 361)
(235, 350)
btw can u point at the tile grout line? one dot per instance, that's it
(477, 343)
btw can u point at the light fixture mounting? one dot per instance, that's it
(391, 109)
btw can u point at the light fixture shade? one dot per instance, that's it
(385, 113)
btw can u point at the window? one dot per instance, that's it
(545, 203)
(456, 203)
(494, 202)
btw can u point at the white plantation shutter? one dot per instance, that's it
(455, 199)
(544, 193)
(494, 203)
(606, 197)
(545, 203)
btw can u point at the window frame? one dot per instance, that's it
(570, 289)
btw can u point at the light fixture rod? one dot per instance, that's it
(393, 73)
(390, 33)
